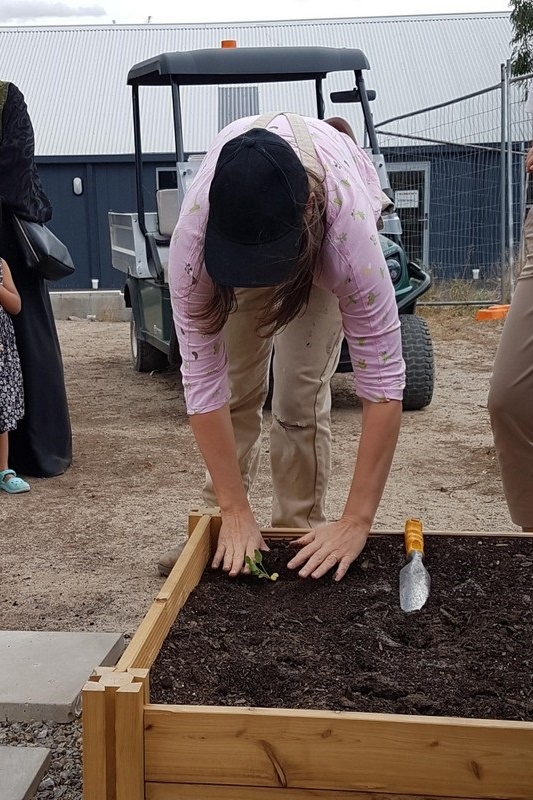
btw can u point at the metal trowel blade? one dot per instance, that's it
(415, 583)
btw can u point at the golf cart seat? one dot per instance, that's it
(167, 211)
(167, 217)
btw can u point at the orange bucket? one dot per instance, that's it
(492, 312)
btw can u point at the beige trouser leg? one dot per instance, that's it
(306, 356)
(248, 371)
(511, 395)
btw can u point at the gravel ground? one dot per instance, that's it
(63, 777)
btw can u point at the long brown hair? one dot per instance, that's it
(291, 297)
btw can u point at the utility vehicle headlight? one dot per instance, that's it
(395, 269)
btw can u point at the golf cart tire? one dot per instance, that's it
(145, 357)
(419, 362)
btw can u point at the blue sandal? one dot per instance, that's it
(14, 485)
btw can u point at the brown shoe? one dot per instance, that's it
(167, 561)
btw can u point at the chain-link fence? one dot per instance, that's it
(457, 169)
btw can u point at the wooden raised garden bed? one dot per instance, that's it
(136, 750)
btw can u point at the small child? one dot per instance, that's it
(11, 387)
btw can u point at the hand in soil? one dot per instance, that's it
(239, 537)
(337, 544)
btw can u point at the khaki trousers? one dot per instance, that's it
(306, 354)
(511, 394)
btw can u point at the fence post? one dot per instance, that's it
(504, 90)
(510, 212)
(521, 138)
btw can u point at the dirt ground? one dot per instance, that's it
(80, 551)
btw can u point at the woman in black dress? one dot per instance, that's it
(41, 445)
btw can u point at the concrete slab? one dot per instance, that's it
(21, 771)
(43, 672)
(104, 305)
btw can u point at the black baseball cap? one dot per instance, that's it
(256, 211)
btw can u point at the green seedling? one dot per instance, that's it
(256, 567)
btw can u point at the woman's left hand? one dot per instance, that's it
(335, 545)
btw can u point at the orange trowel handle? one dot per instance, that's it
(414, 538)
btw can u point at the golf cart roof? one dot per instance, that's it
(245, 65)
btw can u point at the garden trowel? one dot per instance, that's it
(415, 581)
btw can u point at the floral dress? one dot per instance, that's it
(11, 388)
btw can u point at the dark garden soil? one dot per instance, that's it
(347, 646)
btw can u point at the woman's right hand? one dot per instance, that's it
(529, 160)
(239, 537)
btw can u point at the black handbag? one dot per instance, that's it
(42, 251)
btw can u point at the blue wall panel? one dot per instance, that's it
(81, 221)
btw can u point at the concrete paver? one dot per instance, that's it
(21, 771)
(43, 672)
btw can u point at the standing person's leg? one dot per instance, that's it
(511, 395)
(306, 354)
(4, 451)
(248, 372)
(9, 480)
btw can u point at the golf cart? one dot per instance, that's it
(140, 240)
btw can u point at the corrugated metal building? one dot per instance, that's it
(74, 80)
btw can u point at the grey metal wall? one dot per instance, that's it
(74, 78)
